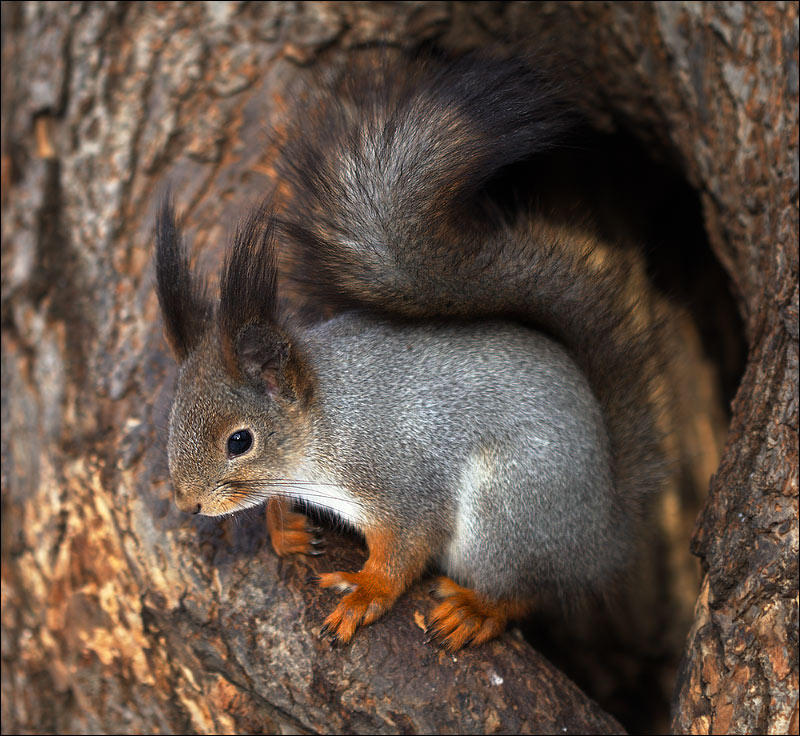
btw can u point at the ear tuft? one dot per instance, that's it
(183, 297)
(248, 285)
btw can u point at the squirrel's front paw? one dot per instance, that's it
(289, 532)
(465, 618)
(369, 597)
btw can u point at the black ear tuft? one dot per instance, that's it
(248, 282)
(183, 296)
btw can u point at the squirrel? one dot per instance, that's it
(485, 402)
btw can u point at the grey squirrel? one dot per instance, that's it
(486, 404)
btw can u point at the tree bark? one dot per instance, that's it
(121, 614)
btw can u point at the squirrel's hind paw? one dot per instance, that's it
(466, 618)
(289, 532)
(369, 598)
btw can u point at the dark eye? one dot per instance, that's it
(239, 442)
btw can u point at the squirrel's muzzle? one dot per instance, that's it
(187, 502)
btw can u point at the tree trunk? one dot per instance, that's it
(120, 613)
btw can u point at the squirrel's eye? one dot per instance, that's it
(239, 442)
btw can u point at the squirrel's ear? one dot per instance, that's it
(248, 286)
(262, 354)
(183, 296)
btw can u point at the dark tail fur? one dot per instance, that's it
(388, 172)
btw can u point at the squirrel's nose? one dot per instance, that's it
(185, 502)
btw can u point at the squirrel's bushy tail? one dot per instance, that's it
(388, 172)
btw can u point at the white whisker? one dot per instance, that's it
(326, 497)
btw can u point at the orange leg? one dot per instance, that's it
(289, 531)
(466, 618)
(388, 571)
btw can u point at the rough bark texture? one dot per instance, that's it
(119, 613)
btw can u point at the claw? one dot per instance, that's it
(435, 641)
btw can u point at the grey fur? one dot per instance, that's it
(412, 410)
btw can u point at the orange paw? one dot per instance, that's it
(290, 532)
(369, 597)
(465, 618)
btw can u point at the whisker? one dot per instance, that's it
(309, 488)
(278, 482)
(304, 494)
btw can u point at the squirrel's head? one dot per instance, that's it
(237, 425)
